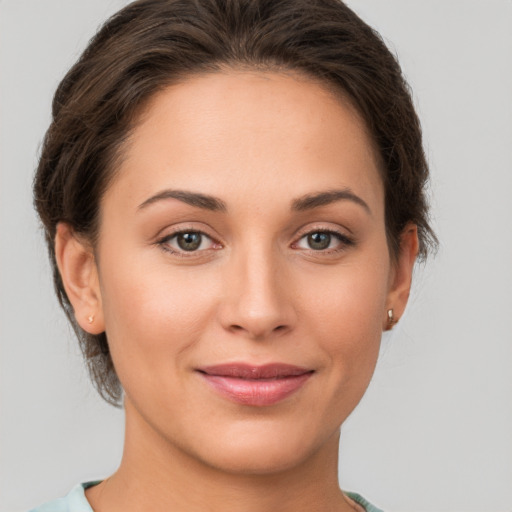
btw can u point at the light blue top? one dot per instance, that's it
(76, 501)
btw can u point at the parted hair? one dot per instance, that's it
(150, 44)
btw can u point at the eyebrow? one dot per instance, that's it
(311, 201)
(303, 203)
(192, 198)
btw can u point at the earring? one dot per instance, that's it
(391, 319)
(90, 319)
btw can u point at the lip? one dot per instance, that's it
(255, 385)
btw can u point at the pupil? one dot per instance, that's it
(319, 241)
(189, 241)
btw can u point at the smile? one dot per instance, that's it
(255, 385)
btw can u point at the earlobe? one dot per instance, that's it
(77, 267)
(401, 276)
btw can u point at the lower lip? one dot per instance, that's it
(261, 392)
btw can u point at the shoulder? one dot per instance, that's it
(75, 501)
(367, 506)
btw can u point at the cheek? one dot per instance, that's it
(346, 308)
(153, 313)
(349, 300)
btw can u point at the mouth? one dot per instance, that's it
(251, 385)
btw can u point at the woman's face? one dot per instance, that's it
(245, 228)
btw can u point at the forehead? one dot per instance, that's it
(246, 134)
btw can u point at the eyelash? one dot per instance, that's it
(163, 243)
(344, 241)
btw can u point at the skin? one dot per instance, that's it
(254, 291)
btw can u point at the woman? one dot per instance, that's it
(233, 199)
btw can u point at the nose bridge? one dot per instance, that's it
(256, 302)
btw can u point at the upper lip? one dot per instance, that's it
(252, 372)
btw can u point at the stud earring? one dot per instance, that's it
(90, 319)
(391, 319)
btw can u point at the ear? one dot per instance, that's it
(77, 267)
(401, 275)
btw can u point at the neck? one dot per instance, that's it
(159, 476)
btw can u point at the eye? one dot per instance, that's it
(323, 241)
(319, 241)
(187, 241)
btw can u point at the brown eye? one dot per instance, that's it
(319, 241)
(189, 241)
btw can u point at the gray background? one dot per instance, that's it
(434, 431)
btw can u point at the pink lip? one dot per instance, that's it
(256, 385)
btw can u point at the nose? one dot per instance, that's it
(257, 299)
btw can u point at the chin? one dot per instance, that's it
(262, 453)
(255, 461)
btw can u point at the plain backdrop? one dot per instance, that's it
(434, 432)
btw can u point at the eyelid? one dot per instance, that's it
(323, 227)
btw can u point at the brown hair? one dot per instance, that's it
(152, 43)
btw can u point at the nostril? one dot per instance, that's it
(236, 328)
